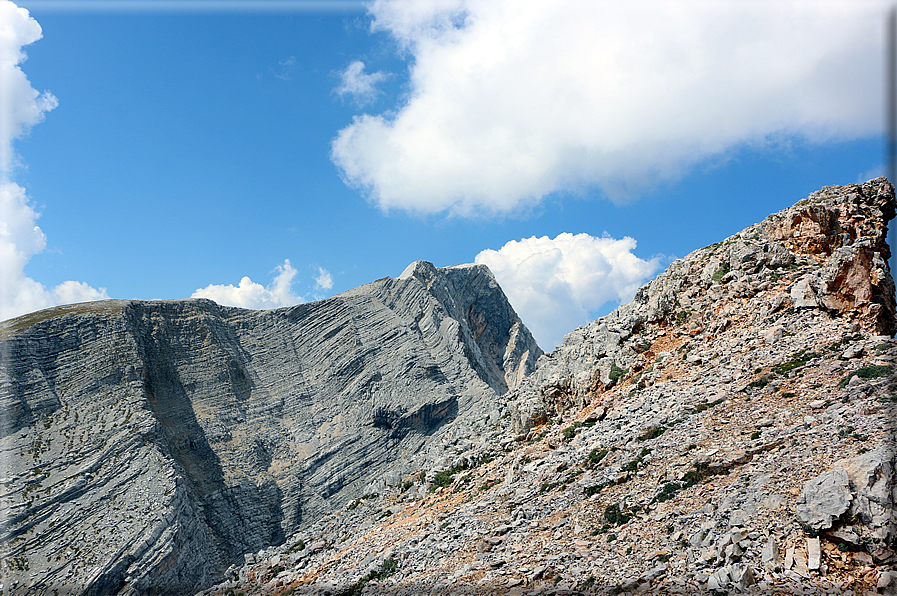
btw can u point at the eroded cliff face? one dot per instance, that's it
(731, 430)
(146, 446)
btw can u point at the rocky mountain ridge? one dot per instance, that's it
(147, 446)
(730, 430)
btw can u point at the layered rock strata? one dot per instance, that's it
(147, 446)
(729, 431)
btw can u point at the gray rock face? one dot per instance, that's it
(824, 499)
(680, 472)
(146, 446)
(831, 246)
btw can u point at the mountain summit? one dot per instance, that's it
(147, 446)
(729, 430)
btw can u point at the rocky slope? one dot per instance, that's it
(147, 446)
(731, 429)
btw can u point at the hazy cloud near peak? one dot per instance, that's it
(510, 100)
(555, 284)
(277, 294)
(249, 294)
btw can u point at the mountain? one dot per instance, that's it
(147, 446)
(732, 429)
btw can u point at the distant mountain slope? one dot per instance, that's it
(146, 446)
(731, 430)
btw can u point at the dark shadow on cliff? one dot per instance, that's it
(224, 507)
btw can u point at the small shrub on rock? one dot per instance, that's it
(873, 371)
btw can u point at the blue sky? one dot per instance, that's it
(178, 151)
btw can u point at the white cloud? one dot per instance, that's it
(556, 284)
(359, 85)
(323, 281)
(20, 239)
(21, 107)
(510, 100)
(249, 294)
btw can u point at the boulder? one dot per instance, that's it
(824, 499)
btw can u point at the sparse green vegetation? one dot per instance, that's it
(388, 568)
(706, 405)
(444, 478)
(837, 346)
(299, 546)
(550, 486)
(668, 491)
(634, 464)
(614, 516)
(596, 455)
(872, 371)
(594, 489)
(20, 324)
(721, 272)
(616, 373)
(798, 359)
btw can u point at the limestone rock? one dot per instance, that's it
(831, 247)
(662, 448)
(824, 499)
(152, 444)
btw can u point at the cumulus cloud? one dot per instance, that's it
(510, 100)
(20, 239)
(359, 85)
(21, 107)
(323, 281)
(249, 294)
(555, 284)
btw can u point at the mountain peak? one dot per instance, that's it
(730, 429)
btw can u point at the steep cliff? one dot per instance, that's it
(146, 446)
(731, 430)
